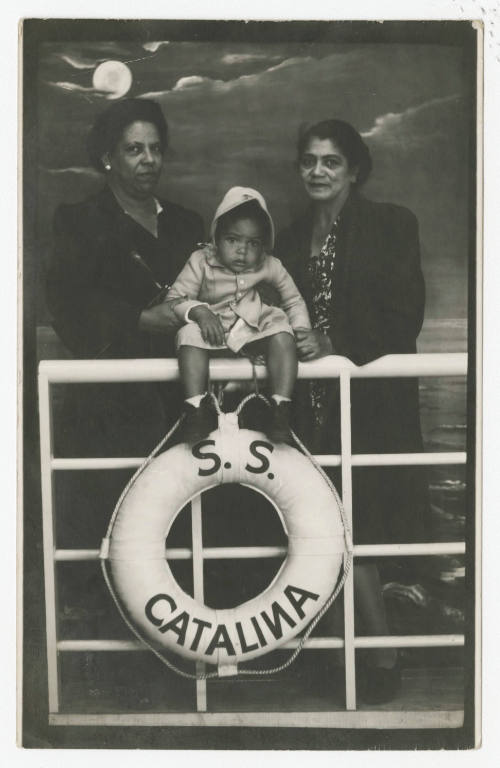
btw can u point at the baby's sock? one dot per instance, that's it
(281, 399)
(195, 401)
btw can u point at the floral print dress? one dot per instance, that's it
(321, 273)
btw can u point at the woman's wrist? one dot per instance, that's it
(323, 341)
(145, 320)
(158, 319)
(326, 344)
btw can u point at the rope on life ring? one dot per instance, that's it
(161, 615)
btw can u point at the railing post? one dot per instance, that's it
(346, 457)
(49, 564)
(198, 591)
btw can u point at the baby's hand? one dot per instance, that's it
(210, 325)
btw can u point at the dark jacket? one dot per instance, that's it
(96, 290)
(96, 287)
(379, 290)
(377, 309)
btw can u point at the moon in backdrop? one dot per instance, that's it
(112, 78)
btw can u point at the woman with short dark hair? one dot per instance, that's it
(357, 264)
(347, 140)
(113, 254)
(114, 251)
(110, 125)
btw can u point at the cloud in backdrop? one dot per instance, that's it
(234, 111)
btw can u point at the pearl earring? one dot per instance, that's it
(107, 166)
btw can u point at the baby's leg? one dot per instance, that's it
(193, 367)
(200, 417)
(281, 362)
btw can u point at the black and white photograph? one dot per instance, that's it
(250, 515)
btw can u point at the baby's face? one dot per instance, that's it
(241, 246)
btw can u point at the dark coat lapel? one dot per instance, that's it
(348, 253)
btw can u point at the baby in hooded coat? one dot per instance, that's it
(216, 298)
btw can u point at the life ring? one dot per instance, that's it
(171, 619)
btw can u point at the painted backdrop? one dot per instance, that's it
(234, 111)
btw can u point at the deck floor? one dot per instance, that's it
(423, 690)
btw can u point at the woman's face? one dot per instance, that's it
(136, 160)
(325, 171)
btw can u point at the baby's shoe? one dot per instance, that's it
(278, 426)
(199, 422)
(254, 415)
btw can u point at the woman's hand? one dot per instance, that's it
(160, 318)
(312, 344)
(210, 325)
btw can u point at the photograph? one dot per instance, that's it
(250, 515)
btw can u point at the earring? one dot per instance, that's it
(107, 166)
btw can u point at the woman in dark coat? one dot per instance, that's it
(113, 254)
(357, 264)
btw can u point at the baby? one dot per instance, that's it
(222, 309)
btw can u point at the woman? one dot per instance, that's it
(113, 254)
(357, 264)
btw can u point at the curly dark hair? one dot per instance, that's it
(348, 140)
(110, 125)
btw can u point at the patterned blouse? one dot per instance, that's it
(321, 271)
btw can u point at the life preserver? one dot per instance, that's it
(168, 617)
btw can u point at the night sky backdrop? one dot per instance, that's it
(234, 111)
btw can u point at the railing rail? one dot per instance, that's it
(107, 371)
(222, 369)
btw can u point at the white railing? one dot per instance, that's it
(107, 371)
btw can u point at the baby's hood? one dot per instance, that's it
(237, 196)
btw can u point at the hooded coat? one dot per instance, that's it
(233, 297)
